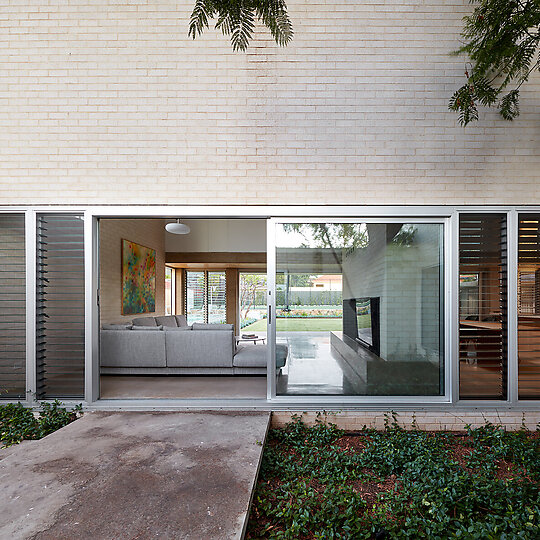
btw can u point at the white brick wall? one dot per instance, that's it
(432, 420)
(108, 101)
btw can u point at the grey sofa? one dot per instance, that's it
(149, 348)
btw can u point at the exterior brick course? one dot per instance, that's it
(431, 420)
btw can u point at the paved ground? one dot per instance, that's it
(134, 475)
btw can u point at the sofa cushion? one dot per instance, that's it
(202, 349)
(144, 321)
(130, 349)
(176, 328)
(181, 320)
(212, 326)
(167, 320)
(255, 355)
(147, 328)
(117, 326)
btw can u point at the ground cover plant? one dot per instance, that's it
(320, 482)
(18, 422)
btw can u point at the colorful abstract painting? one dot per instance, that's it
(138, 278)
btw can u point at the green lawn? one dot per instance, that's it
(297, 325)
(304, 325)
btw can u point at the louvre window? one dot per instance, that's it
(12, 307)
(216, 297)
(205, 297)
(529, 306)
(60, 306)
(482, 306)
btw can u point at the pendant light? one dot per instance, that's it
(177, 228)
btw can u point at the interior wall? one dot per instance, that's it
(397, 274)
(220, 235)
(147, 232)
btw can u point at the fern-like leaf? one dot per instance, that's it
(202, 11)
(509, 105)
(237, 19)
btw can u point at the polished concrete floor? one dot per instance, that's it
(312, 367)
(182, 387)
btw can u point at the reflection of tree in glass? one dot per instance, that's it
(330, 235)
(405, 236)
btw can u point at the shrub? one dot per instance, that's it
(319, 482)
(18, 422)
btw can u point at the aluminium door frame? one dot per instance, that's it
(359, 400)
(296, 213)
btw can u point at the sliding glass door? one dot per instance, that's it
(359, 308)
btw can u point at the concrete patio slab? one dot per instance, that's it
(134, 475)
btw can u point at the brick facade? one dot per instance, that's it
(431, 420)
(109, 102)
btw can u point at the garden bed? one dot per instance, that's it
(18, 423)
(321, 482)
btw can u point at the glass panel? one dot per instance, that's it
(253, 303)
(529, 306)
(217, 305)
(482, 306)
(60, 306)
(359, 309)
(12, 307)
(195, 297)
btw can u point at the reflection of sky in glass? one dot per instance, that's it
(289, 239)
(292, 239)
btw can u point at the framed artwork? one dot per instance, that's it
(138, 278)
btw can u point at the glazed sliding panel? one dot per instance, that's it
(60, 306)
(12, 307)
(529, 306)
(483, 327)
(359, 308)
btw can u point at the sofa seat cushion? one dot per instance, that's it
(202, 349)
(176, 328)
(167, 320)
(144, 321)
(212, 326)
(255, 355)
(146, 328)
(130, 349)
(117, 326)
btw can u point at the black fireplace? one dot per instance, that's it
(361, 321)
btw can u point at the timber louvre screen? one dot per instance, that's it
(12, 307)
(60, 306)
(483, 313)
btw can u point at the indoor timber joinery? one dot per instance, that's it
(46, 295)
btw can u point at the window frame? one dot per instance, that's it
(449, 213)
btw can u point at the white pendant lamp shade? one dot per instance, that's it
(177, 228)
